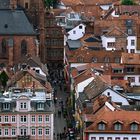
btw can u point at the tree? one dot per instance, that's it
(51, 3)
(127, 2)
(3, 79)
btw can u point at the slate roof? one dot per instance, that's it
(15, 22)
(4, 4)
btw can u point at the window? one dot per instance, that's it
(132, 50)
(23, 131)
(117, 138)
(13, 119)
(47, 118)
(74, 32)
(40, 118)
(6, 131)
(130, 69)
(101, 138)
(6, 119)
(26, 5)
(40, 106)
(6, 106)
(13, 132)
(80, 27)
(33, 119)
(0, 119)
(117, 60)
(134, 138)
(93, 138)
(94, 59)
(23, 47)
(40, 131)
(23, 105)
(23, 119)
(0, 131)
(80, 59)
(110, 44)
(125, 138)
(47, 131)
(132, 42)
(101, 126)
(131, 79)
(117, 126)
(109, 138)
(106, 59)
(33, 131)
(134, 127)
(3, 45)
(129, 31)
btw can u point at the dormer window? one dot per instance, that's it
(23, 105)
(118, 126)
(134, 126)
(40, 106)
(80, 59)
(6, 106)
(94, 59)
(101, 125)
(106, 59)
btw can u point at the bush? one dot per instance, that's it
(127, 2)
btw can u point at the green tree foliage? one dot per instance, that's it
(127, 2)
(51, 3)
(48, 3)
(3, 79)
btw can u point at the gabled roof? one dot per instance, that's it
(34, 61)
(83, 76)
(126, 117)
(15, 22)
(114, 32)
(95, 88)
(41, 79)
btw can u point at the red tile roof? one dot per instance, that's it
(125, 117)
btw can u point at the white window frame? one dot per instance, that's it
(33, 131)
(40, 118)
(13, 119)
(6, 106)
(22, 119)
(23, 105)
(33, 119)
(6, 119)
(6, 131)
(47, 118)
(40, 130)
(47, 131)
(13, 131)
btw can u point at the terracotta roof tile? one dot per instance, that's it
(130, 58)
(125, 117)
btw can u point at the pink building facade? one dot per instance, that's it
(26, 117)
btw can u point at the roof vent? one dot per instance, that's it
(6, 26)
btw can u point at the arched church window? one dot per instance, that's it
(23, 47)
(3, 45)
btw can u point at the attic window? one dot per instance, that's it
(6, 26)
(101, 126)
(134, 126)
(117, 126)
(80, 27)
